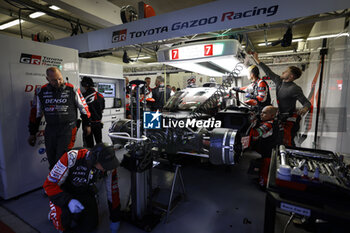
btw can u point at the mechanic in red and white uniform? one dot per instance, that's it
(71, 189)
(148, 89)
(264, 129)
(257, 93)
(264, 139)
(96, 103)
(58, 102)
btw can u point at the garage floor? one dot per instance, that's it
(219, 199)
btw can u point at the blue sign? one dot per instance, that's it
(151, 120)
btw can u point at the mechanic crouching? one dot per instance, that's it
(264, 139)
(71, 189)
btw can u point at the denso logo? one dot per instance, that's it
(55, 101)
(30, 59)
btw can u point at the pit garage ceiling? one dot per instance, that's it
(73, 17)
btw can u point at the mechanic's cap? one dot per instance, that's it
(104, 154)
(254, 69)
(87, 82)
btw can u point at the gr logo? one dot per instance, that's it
(119, 36)
(151, 120)
(30, 59)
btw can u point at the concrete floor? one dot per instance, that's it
(219, 199)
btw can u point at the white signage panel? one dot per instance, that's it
(24, 81)
(196, 51)
(199, 19)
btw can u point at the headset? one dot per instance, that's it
(101, 149)
(87, 82)
(96, 151)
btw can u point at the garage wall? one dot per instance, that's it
(333, 127)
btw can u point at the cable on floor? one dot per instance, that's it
(289, 220)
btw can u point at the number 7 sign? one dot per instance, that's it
(208, 50)
(174, 54)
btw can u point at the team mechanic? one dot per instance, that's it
(96, 104)
(71, 189)
(258, 92)
(264, 139)
(158, 94)
(288, 93)
(58, 101)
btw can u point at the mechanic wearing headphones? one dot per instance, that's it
(96, 104)
(71, 189)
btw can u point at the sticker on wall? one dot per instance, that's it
(42, 151)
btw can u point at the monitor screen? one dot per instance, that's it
(106, 89)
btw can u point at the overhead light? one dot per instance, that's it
(141, 58)
(227, 63)
(328, 36)
(298, 40)
(215, 67)
(269, 43)
(280, 52)
(264, 44)
(36, 14)
(190, 66)
(10, 24)
(55, 8)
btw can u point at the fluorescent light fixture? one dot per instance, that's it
(269, 43)
(190, 66)
(10, 24)
(263, 44)
(36, 14)
(141, 58)
(55, 8)
(227, 63)
(224, 66)
(280, 52)
(328, 36)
